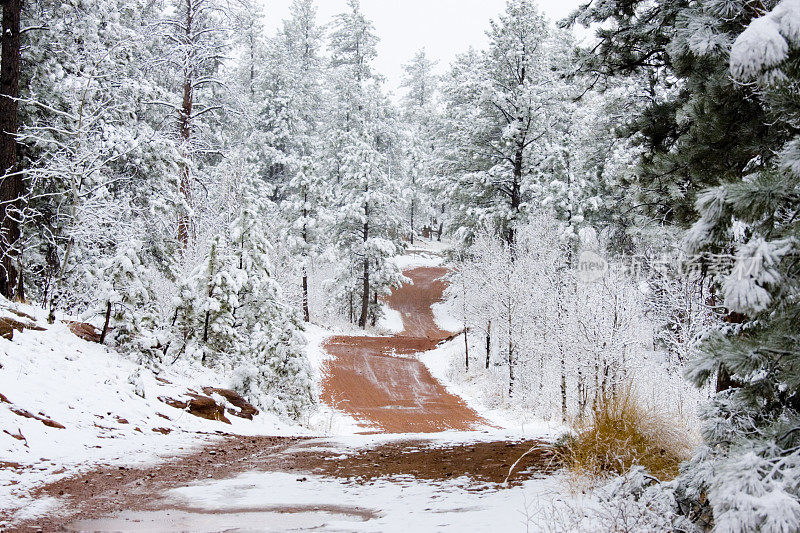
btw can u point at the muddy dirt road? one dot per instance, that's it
(370, 379)
(375, 379)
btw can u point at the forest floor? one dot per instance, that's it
(423, 459)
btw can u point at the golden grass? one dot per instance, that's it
(622, 433)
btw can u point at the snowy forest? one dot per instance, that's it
(613, 198)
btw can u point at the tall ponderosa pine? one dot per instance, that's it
(496, 116)
(362, 155)
(420, 116)
(11, 182)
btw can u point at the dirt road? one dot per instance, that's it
(370, 379)
(374, 379)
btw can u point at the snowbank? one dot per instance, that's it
(391, 321)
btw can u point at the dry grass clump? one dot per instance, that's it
(622, 433)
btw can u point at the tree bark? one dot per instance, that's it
(375, 303)
(466, 349)
(362, 322)
(515, 200)
(563, 387)
(105, 325)
(510, 369)
(11, 183)
(306, 314)
(186, 131)
(488, 343)
(412, 222)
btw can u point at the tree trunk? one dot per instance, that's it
(375, 302)
(412, 222)
(306, 314)
(488, 343)
(515, 200)
(186, 133)
(563, 387)
(362, 322)
(510, 368)
(365, 294)
(105, 325)
(582, 397)
(11, 184)
(724, 381)
(466, 349)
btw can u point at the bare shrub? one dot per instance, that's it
(623, 433)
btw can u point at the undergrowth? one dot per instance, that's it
(622, 433)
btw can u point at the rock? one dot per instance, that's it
(200, 406)
(8, 325)
(84, 330)
(22, 315)
(206, 407)
(246, 410)
(43, 419)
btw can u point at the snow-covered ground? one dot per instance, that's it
(400, 504)
(91, 391)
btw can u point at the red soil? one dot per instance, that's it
(369, 379)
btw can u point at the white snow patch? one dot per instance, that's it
(401, 504)
(444, 319)
(391, 321)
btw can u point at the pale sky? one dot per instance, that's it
(443, 27)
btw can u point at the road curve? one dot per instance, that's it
(371, 378)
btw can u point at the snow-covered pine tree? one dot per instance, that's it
(420, 115)
(125, 297)
(720, 153)
(304, 209)
(206, 305)
(750, 463)
(195, 36)
(365, 229)
(269, 364)
(496, 116)
(99, 172)
(363, 152)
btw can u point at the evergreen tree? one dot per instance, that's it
(719, 152)
(499, 109)
(363, 230)
(127, 297)
(420, 117)
(206, 306)
(751, 458)
(269, 364)
(307, 198)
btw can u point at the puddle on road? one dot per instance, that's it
(254, 521)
